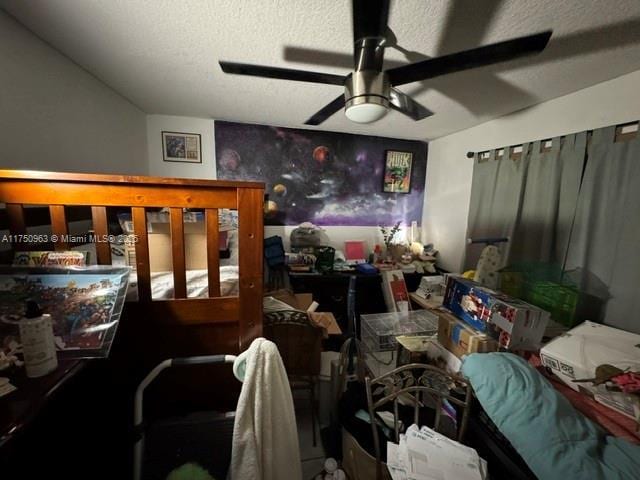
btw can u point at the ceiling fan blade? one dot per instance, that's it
(370, 19)
(281, 73)
(403, 103)
(477, 57)
(325, 112)
(411, 55)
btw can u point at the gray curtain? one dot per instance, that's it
(496, 191)
(548, 204)
(531, 200)
(604, 249)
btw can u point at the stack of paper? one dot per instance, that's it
(424, 454)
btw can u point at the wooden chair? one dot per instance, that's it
(300, 346)
(419, 385)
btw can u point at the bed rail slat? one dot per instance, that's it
(194, 311)
(177, 254)
(101, 230)
(139, 216)
(59, 226)
(17, 223)
(250, 248)
(213, 252)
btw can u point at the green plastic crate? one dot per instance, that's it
(539, 284)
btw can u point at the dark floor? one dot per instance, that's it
(312, 457)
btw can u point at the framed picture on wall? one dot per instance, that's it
(397, 172)
(181, 147)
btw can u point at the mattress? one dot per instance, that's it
(197, 284)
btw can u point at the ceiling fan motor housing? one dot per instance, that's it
(366, 89)
(367, 86)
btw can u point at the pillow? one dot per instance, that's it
(555, 440)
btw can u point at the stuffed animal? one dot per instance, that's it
(425, 264)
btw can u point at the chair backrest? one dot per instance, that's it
(298, 340)
(417, 384)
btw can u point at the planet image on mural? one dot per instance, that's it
(280, 190)
(230, 159)
(321, 154)
(270, 209)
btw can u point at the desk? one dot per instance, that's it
(331, 291)
(21, 407)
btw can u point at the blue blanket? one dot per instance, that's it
(555, 440)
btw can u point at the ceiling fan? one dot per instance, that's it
(369, 91)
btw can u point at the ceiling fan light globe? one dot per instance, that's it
(365, 112)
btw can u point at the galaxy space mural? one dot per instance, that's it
(326, 178)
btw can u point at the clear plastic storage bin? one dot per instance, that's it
(379, 331)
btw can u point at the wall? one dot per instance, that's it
(207, 169)
(56, 116)
(449, 171)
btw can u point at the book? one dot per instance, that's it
(49, 259)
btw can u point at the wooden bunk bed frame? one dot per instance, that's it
(179, 326)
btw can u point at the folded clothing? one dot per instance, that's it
(555, 440)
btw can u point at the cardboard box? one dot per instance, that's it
(423, 349)
(195, 246)
(515, 324)
(327, 321)
(469, 301)
(576, 355)
(297, 301)
(459, 338)
(302, 302)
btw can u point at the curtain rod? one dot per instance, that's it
(629, 126)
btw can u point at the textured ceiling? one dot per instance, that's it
(162, 55)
